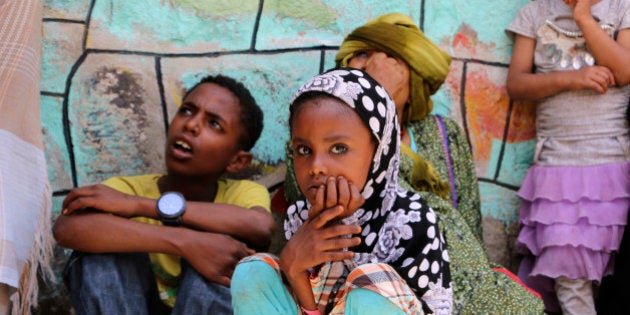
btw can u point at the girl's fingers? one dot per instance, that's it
(331, 192)
(340, 243)
(326, 216)
(338, 256)
(356, 199)
(318, 204)
(341, 230)
(343, 191)
(611, 78)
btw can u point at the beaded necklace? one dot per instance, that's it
(567, 49)
(575, 34)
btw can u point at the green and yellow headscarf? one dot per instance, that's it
(396, 34)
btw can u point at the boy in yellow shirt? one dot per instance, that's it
(130, 232)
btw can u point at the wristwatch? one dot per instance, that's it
(171, 207)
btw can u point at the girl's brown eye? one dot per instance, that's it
(339, 149)
(302, 150)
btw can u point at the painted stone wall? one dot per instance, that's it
(114, 71)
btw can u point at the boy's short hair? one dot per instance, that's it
(251, 114)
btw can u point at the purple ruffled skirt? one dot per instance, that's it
(572, 219)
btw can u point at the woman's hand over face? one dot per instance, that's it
(390, 72)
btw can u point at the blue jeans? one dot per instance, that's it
(124, 283)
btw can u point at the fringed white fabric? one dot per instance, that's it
(25, 233)
(39, 262)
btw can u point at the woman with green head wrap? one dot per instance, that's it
(412, 68)
(435, 159)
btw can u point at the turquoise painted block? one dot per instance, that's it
(514, 162)
(517, 158)
(272, 79)
(479, 24)
(66, 9)
(305, 23)
(174, 26)
(57, 202)
(56, 150)
(499, 202)
(446, 101)
(61, 48)
(117, 122)
(329, 59)
(442, 102)
(493, 162)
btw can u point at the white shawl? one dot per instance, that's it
(25, 198)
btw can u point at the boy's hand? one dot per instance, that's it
(597, 78)
(337, 192)
(103, 198)
(213, 255)
(316, 242)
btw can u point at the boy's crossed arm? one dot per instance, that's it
(212, 243)
(212, 255)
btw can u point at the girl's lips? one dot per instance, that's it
(311, 192)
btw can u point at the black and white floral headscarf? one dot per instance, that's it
(398, 227)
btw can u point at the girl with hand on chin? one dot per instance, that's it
(357, 242)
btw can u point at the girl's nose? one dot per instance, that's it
(318, 166)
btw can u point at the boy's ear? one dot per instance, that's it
(239, 161)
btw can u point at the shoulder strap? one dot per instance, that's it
(449, 160)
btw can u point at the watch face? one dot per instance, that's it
(171, 204)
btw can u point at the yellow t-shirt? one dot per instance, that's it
(243, 193)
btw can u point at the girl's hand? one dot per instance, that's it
(597, 78)
(581, 9)
(316, 242)
(337, 191)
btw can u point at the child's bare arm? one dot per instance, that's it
(523, 84)
(615, 55)
(212, 255)
(253, 226)
(108, 200)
